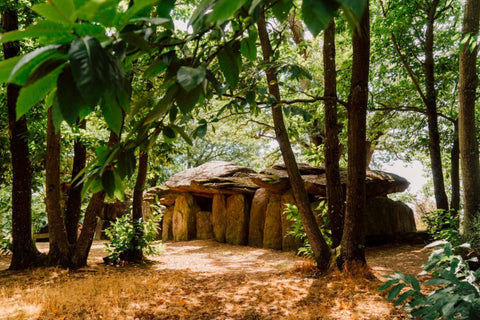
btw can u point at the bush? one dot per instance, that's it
(453, 288)
(443, 225)
(122, 237)
(297, 231)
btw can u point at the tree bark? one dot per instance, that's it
(319, 246)
(94, 209)
(455, 172)
(467, 88)
(137, 214)
(74, 203)
(353, 240)
(24, 251)
(335, 196)
(59, 252)
(431, 108)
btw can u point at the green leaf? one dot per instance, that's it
(108, 182)
(281, 9)
(6, 66)
(201, 131)
(198, 20)
(187, 100)
(164, 7)
(317, 14)
(32, 94)
(249, 45)
(225, 9)
(126, 163)
(112, 113)
(27, 64)
(89, 64)
(162, 106)
(189, 78)
(172, 115)
(61, 11)
(182, 132)
(140, 8)
(44, 69)
(230, 63)
(70, 100)
(101, 11)
(45, 29)
(169, 133)
(157, 67)
(388, 284)
(395, 291)
(404, 296)
(357, 7)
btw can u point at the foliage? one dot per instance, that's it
(473, 236)
(453, 287)
(297, 231)
(122, 234)
(443, 225)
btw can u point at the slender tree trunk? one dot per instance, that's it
(319, 246)
(24, 251)
(59, 247)
(74, 203)
(455, 172)
(335, 196)
(431, 108)
(94, 209)
(467, 88)
(353, 240)
(137, 214)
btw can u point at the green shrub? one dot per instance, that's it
(453, 289)
(297, 231)
(122, 237)
(443, 225)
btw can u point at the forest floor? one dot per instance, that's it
(204, 280)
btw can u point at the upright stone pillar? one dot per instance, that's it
(272, 235)
(237, 219)
(167, 232)
(184, 215)
(219, 216)
(257, 218)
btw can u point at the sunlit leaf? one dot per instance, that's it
(189, 78)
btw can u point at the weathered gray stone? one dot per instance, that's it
(288, 242)
(204, 225)
(219, 217)
(167, 228)
(184, 218)
(257, 218)
(272, 235)
(238, 210)
(386, 217)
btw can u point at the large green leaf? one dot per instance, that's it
(249, 45)
(225, 9)
(189, 77)
(356, 6)
(101, 11)
(126, 163)
(6, 66)
(230, 62)
(32, 94)
(187, 100)
(108, 182)
(199, 18)
(62, 11)
(27, 64)
(112, 112)
(162, 106)
(43, 69)
(90, 68)
(282, 8)
(45, 29)
(70, 101)
(140, 8)
(317, 14)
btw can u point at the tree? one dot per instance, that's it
(353, 240)
(468, 81)
(25, 253)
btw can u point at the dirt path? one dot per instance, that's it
(203, 280)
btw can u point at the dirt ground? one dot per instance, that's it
(204, 280)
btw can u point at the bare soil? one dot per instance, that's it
(204, 280)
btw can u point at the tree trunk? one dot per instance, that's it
(319, 246)
(431, 108)
(74, 203)
(353, 240)
(335, 196)
(467, 88)
(94, 209)
(24, 251)
(455, 172)
(137, 214)
(59, 246)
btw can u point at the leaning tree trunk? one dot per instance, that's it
(94, 209)
(24, 251)
(467, 88)
(59, 253)
(74, 203)
(136, 254)
(353, 240)
(335, 196)
(319, 246)
(431, 108)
